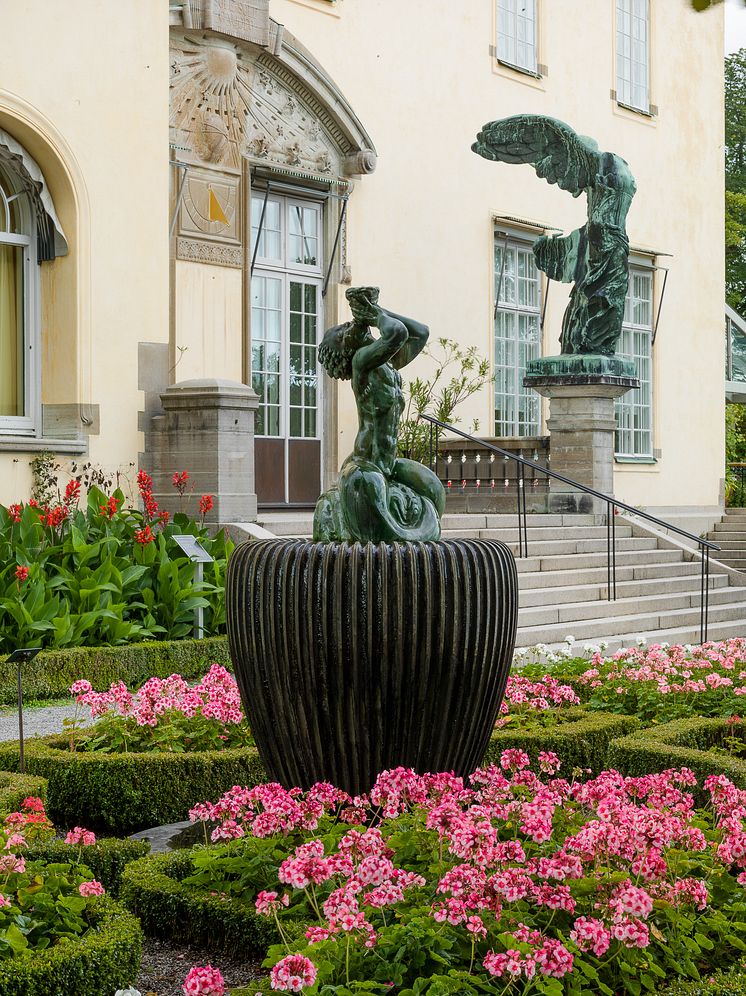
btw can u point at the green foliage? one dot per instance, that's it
(152, 888)
(122, 793)
(584, 743)
(105, 959)
(735, 180)
(440, 395)
(678, 744)
(731, 983)
(106, 859)
(50, 675)
(102, 574)
(14, 788)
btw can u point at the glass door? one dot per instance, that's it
(286, 321)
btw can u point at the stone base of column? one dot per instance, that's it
(207, 429)
(581, 427)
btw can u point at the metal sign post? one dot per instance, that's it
(199, 556)
(19, 657)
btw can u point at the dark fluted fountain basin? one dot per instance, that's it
(352, 659)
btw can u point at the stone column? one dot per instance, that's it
(581, 424)
(207, 429)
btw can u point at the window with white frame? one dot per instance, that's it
(517, 336)
(634, 410)
(633, 53)
(517, 34)
(18, 283)
(286, 315)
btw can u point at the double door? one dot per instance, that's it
(286, 322)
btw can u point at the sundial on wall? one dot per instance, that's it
(209, 206)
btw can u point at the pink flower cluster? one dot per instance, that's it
(524, 695)
(497, 832)
(92, 888)
(673, 670)
(204, 980)
(216, 696)
(78, 835)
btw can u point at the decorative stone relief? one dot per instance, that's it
(225, 102)
(196, 251)
(247, 19)
(209, 206)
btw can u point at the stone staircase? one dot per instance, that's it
(563, 580)
(730, 536)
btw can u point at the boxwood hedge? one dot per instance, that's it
(152, 889)
(583, 742)
(14, 788)
(731, 983)
(51, 673)
(105, 959)
(680, 743)
(121, 793)
(106, 859)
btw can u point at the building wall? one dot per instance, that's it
(421, 77)
(84, 89)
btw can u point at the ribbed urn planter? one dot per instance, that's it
(356, 658)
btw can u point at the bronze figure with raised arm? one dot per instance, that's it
(379, 497)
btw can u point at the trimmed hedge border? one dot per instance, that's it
(682, 743)
(152, 890)
(51, 673)
(106, 959)
(106, 859)
(732, 983)
(584, 743)
(123, 793)
(14, 788)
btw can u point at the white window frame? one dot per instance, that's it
(634, 410)
(288, 272)
(523, 398)
(517, 26)
(28, 423)
(632, 41)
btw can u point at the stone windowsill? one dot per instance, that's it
(635, 460)
(37, 444)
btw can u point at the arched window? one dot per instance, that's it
(18, 401)
(30, 235)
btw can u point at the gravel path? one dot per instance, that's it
(38, 721)
(165, 965)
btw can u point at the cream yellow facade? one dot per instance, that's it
(388, 97)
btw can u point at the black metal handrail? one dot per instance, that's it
(611, 502)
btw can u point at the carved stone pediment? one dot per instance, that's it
(231, 99)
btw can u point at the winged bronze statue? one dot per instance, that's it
(594, 256)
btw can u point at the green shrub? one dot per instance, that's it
(731, 983)
(152, 889)
(121, 793)
(106, 859)
(104, 960)
(14, 788)
(682, 743)
(50, 675)
(584, 743)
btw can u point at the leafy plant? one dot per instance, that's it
(458, 374)
(103, 573)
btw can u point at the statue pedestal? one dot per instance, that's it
(581, 389)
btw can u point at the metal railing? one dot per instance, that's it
(737, 495)
(612, 504)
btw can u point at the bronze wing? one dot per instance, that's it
(557, 153)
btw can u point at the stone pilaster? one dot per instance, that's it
(206, 429)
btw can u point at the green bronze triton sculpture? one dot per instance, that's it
(379, 497)
(594, 257)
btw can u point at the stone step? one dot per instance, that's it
(591, 593)
(492, 520)
(736, 512)
(729, 540)
(581, 561)
(559, 546)
(555, 579)
(730, 524)
(737, 563)
(545, 615)
(630, 625)
(536, 534)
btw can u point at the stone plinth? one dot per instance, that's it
(581, 423)
(207, 429)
